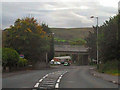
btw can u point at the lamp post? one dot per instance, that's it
(47, 52)
(97, 38)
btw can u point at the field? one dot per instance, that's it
(71, 33)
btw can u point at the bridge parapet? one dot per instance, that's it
(71, 48)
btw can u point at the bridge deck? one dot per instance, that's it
(71, 49)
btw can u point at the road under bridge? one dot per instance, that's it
(80, 51)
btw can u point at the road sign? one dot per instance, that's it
(21, 56)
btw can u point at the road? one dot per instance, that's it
(81, 78)
(69, 77)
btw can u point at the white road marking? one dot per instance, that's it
(45, 76)
(49, 82)
(58, 80)
(36, 85)
(57, 85)
(40, 80)
(61, 75)
(114, 81)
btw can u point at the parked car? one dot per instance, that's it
(66, 64)
(52, 61)
(57, 63)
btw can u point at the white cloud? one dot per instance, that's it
(58, 14)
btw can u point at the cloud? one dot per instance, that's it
(57, 14)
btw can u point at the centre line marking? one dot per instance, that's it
(58, 80)
(61, 75)
(57, 85)
(40, 80)
(45, 76)
(36, 85)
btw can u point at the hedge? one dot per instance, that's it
(10, 57)
(22, 62)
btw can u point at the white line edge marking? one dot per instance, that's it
(58, 81)
(45, 76)
(57, 85)
(40, 80)
(36, 85)
(61, 75)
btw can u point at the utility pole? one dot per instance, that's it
(46, 58)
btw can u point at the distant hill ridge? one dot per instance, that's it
(71, 33)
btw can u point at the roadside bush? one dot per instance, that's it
(10, 57)
(0, 56)
(109, 67)
(22, 62)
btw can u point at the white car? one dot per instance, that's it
(57, 63)
(52, 61)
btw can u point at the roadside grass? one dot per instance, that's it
(113, 72)
(110, 67)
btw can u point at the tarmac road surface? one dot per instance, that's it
(69, 77)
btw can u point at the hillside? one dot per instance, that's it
(71, 33)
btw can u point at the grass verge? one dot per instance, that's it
(111, 67)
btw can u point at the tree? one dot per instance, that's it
(51, 41)
(46, 28)
(28, 38)
(91, 43)
(108, 40)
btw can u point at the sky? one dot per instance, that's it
(59, 13)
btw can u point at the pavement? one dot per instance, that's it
(59, 77)
(107, 77)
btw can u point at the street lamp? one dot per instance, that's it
(46, 52)
(97, 36)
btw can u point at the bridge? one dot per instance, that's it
(80, 51)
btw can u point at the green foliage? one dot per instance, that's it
(46, 28)
(59, 40)
(22, 62)
(10, 57)
(0, 55)
(108, 40)
(28, 38)
(51, 41)
(79, 41)
(91, 43)
(110, 67)
(51, 50)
